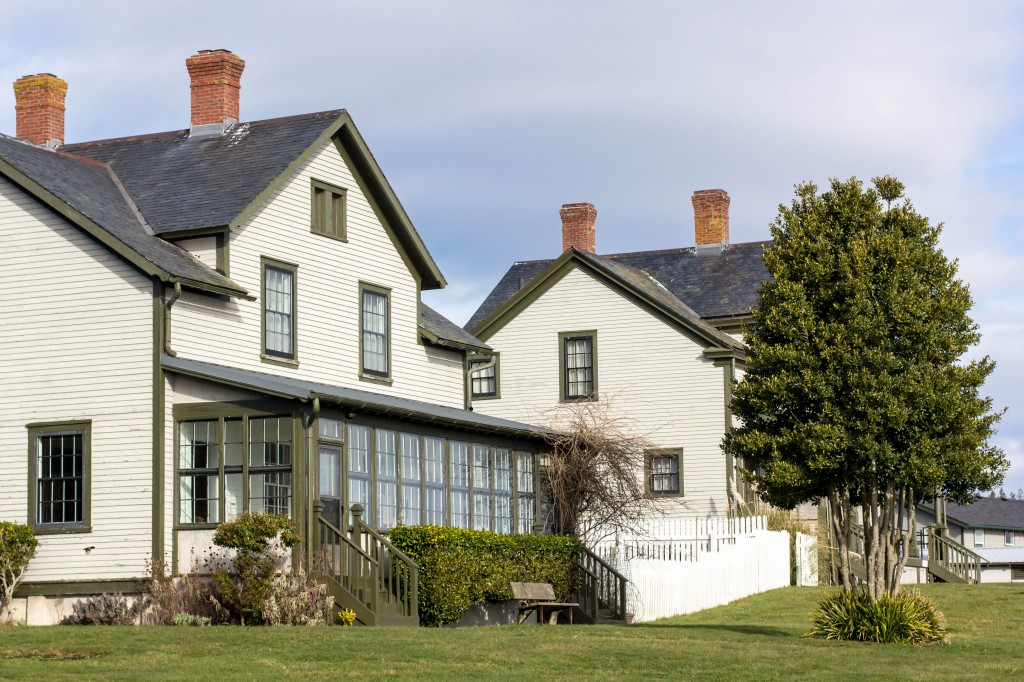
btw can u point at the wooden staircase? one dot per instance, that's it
(601, 591)
(945, 559)
(367, 574)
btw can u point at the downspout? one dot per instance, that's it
(468, 379)
(167, 319)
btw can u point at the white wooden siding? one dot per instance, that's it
(649, 372)
(329, 273)
(77, 340)
(203, 248)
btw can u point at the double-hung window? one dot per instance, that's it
(578, 369)
(664, 476)
(483, 374)
(979, 537)
(328, 210)
(1008, 538)
(280, 309)
(375, 331)
(59, 479)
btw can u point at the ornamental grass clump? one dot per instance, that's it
(904, 618)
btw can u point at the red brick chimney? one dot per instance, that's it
(216, 81)
(39, 107)
(578, 227)
(711, 220)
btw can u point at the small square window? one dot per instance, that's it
(328, 210)
(484, 379)
(664, 473)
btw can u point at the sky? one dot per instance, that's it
(486, 117)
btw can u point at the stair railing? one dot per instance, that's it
(397, 577)
(955, 558)
(600, 586)
(348, 564)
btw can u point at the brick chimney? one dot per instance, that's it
(216, 81)
(711, 220)
(578, 227)
(39, 106)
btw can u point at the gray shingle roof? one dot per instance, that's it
(182, 184)
(712, 286)
(91, 189)
(986, 512)
(354, 398)
(447, 333)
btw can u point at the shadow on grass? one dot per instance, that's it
(761, 630)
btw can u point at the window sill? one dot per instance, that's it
(343, 238)
(584, 399)
(283, 362)
(43, 530)
(485, 397)
(373, 379)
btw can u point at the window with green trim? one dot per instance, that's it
(279, 310)
(664, 475)
(223, 473)
(578, 370)
(375, 330)
(328, 210)
(484, 378)
(59, 492)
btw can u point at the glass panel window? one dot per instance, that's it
(279, 311)
(663, 474)
(412, 508)
(270, 465)
(578, 369)
(359, 470)
(60, 478)
(198, 470)
(502, 490)
(1008, 538)
(387, 478)
(375, 333)
(459, 464)
(484, 381)
(433, 479)
(979, 537)
(329, 428)
(482, 513)
(527, 496)
(330, 471)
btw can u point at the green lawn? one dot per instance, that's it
(756, 638)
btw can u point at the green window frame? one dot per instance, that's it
(374, 332)
(485, 384)
(328, 210)
(60, 464)
(279, 326)
(577, 365)
(663, 471)
(226, 465)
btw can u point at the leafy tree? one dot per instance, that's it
(857, 391)
(17, 547)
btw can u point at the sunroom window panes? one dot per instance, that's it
(412, 508)
(198, 469)
(387, 478)
(527, 495)
(459, 461)
(270, 465)
(375, 333)
(234, 456)
(433, 479)
(359, 470)
(482, 515)
(330, 471)
(502, 490)
(279, 311)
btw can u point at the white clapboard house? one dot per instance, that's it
(657, 335)
(228, 318)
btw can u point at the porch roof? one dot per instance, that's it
(1001, 555)
(377, 403)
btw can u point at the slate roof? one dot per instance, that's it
(447, 332)
(181, 183)
(985, 512)
(352, 397)
(711, 286)
(92, 190)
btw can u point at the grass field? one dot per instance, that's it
(756, 638)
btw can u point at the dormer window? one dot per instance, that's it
(328, 210)
(484, 378)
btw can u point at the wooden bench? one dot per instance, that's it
(539, 597)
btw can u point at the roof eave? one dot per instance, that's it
(436, 340)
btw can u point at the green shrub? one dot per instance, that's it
(17, 547)
(459, 568)
(104, 609)
(906, 618)
(189, 620)
(243, 591)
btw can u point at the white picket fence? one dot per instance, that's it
(697, 564)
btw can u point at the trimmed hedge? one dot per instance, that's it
(460, 568)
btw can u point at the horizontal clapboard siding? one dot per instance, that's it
(328, 276)
(648, 372)
(77, 341)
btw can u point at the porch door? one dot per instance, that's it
(330, 483)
